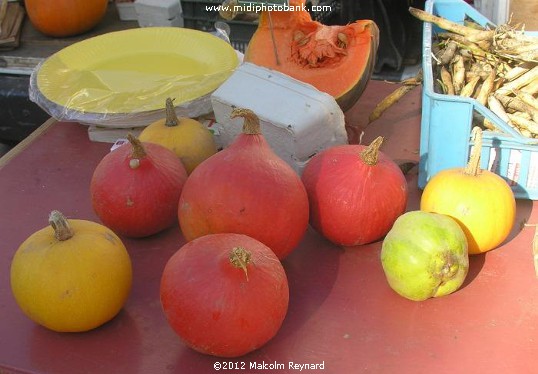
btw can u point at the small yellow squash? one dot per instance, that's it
(480, 201)
(72, 276)
(191, 141)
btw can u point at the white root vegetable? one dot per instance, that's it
(469, 88)
(458, 74)
(496, 107)
(446, 78)
(443, 23)
(481, 35)
(524, 124)
(498, 67)
(515, 72)
(447, 54)
(516, 104)
(395, 96)
(521, 81)
(523, 115)
(486, 89)
(527, 98)
(531, 88)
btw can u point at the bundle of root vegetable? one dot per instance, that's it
(498, 67)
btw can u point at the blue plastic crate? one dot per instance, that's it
(445, 138)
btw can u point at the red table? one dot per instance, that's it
(342, 312)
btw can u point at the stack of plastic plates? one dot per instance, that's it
(122, 79)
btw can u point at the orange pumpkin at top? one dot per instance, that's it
(479, 200)
(61, 18)
(338, 60)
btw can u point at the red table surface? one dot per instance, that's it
(342, 312)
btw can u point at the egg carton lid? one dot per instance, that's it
(297, 119)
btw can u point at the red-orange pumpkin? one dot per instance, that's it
(62, 18)
(338, 60)
(246, 189)
(135, 189)
(224, 294)
(355, 192)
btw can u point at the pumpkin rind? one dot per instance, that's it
(191, 141)
(425, 255)
(247, 189)
(65, 17)
(479, 200)
(484, 205)
(353, 202)
(221, 309)
(138, 197)
(72, 285)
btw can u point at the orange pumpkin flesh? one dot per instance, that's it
(338, 60)
(63, 18)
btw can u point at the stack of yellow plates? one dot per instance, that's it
(122, 79)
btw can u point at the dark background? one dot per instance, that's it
(398, 54)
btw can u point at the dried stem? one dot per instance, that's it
(62, 229)
(138, 148)
(473, 166)
(240, 258)
(251, 125)
(171, 116)
(371, 154)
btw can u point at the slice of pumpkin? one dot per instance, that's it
(338, 60)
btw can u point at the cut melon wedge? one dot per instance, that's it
(338, 60)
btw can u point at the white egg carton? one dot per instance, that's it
(297, 120)
(158, 9)
(126, 11)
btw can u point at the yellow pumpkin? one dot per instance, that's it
(191, 141)
(72, 276)
(479, 200)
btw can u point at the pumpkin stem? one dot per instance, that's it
(240, 258)
(371, 153)
(171, 116)
(137, 153)
(473, 166)
(251, 126)
(62, 230)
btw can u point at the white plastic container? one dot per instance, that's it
(158, 9)
(126, 11)
(297, 120)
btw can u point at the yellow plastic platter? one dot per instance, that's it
(133, 71)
